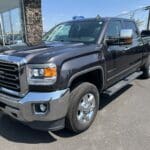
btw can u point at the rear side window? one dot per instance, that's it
(131, 25)
(114, 29)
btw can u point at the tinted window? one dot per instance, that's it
(114, 29)
(131, 25)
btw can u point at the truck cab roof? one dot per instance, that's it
(100, 18)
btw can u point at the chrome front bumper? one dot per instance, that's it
(21, 108)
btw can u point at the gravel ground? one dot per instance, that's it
(123, 123)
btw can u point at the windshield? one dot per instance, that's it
(79, 31)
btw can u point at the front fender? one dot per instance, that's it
(73, 68)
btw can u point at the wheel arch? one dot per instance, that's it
(86, 76)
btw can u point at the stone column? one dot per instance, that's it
(32, 21)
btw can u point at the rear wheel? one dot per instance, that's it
(83, 107)
(146, 70)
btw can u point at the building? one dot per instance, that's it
(20, 22)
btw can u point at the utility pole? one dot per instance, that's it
(148, 24)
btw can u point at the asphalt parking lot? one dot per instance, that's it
(123, 123)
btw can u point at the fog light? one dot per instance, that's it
(40, 108)
(43, 107)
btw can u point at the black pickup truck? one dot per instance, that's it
(58, 83)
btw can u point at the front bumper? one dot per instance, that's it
(22, 108)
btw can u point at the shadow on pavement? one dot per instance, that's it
(19, 133)
(105, 100)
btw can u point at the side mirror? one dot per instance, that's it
(126, 37)
(145, 33)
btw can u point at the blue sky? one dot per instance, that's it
(55, 11)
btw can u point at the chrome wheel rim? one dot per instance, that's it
(86, 108)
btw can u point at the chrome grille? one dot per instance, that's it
(9, 76)
(13, 79)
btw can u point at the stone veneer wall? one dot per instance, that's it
(33, 21)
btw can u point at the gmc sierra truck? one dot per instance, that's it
(58, 83)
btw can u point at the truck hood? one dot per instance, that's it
(48, 52)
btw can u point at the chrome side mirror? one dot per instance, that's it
(126, 36)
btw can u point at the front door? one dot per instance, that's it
(114, 53)
(133, 51)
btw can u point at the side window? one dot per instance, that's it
(114, 29)
(131, 25)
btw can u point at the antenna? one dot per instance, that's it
(98, 17)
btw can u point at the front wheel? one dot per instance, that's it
(84, 104)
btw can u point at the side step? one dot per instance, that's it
(115, 88)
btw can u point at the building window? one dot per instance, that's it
(11, 30)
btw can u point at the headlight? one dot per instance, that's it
(42, 74)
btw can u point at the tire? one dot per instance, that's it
(146, 70)
(80, 118)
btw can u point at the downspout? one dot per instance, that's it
(24, 29)
(2, 28)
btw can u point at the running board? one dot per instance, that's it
(115, 88)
